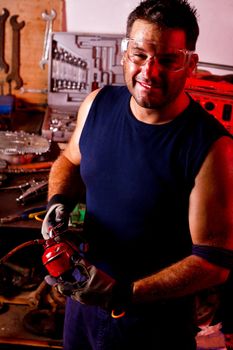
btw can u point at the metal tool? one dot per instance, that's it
(22, 215)
(37, 190)
(49, 18)
(3, 65)
(15, 56)
(58, 259)
(22, 186)
(20, 147)
(33, 91)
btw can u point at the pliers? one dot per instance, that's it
(31, 213)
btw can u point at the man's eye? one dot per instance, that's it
(139, 55)
(167, 60)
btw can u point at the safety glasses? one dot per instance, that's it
(166, 58)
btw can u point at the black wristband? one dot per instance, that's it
(61, 198)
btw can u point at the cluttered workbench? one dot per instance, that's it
(31, 311)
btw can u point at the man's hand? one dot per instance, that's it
(94, 287)
(56, 216)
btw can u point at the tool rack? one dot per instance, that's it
(78, 64)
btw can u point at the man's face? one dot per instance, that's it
(153, 74)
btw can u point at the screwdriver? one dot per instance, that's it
(22, 215)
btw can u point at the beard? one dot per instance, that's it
(155, 93)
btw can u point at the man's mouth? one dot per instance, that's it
(148, 85)
(145, 85)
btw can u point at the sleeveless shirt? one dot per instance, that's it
(138, 180)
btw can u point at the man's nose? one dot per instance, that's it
(151, 67)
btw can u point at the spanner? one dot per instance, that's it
(15, 55)
(48, 30)
(3, 65)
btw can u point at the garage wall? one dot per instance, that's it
(109, 16)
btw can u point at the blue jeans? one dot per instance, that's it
(92, 328)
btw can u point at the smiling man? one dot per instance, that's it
(157, 169)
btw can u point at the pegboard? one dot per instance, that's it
(35, 79)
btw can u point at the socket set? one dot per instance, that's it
(78, 64)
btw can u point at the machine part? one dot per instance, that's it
(13, 279)
(6, 277)
(16, 187)
(22, 143)
(215, 97)
(35, 191)
(21, 270)
(20, 147)
(15, 57)
(34, 167)
(49, 18)
(22, 170)
(35, 296)
(5, 14)
(57, 257)
(44, 323)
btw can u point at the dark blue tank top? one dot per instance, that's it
(138, 180)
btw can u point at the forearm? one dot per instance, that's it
(186, 277)
(64, 178)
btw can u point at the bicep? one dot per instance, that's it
(211, 200)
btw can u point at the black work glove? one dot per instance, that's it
(57, 216)
(94, 287)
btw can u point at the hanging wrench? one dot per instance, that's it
(48, 30)
(15, 55)
(3, 18)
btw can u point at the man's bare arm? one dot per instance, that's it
(64, 177)
(211, 223)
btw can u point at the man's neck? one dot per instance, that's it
(162, 115)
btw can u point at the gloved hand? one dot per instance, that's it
(56, 216)
(94, 287)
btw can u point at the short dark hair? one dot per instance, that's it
(176, 14)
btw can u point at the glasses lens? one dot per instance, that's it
(166, 58)
(172, 61)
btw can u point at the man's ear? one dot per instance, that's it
(192, 64)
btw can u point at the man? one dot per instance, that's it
(157, 170)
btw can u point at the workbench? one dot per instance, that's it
(13, 333)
